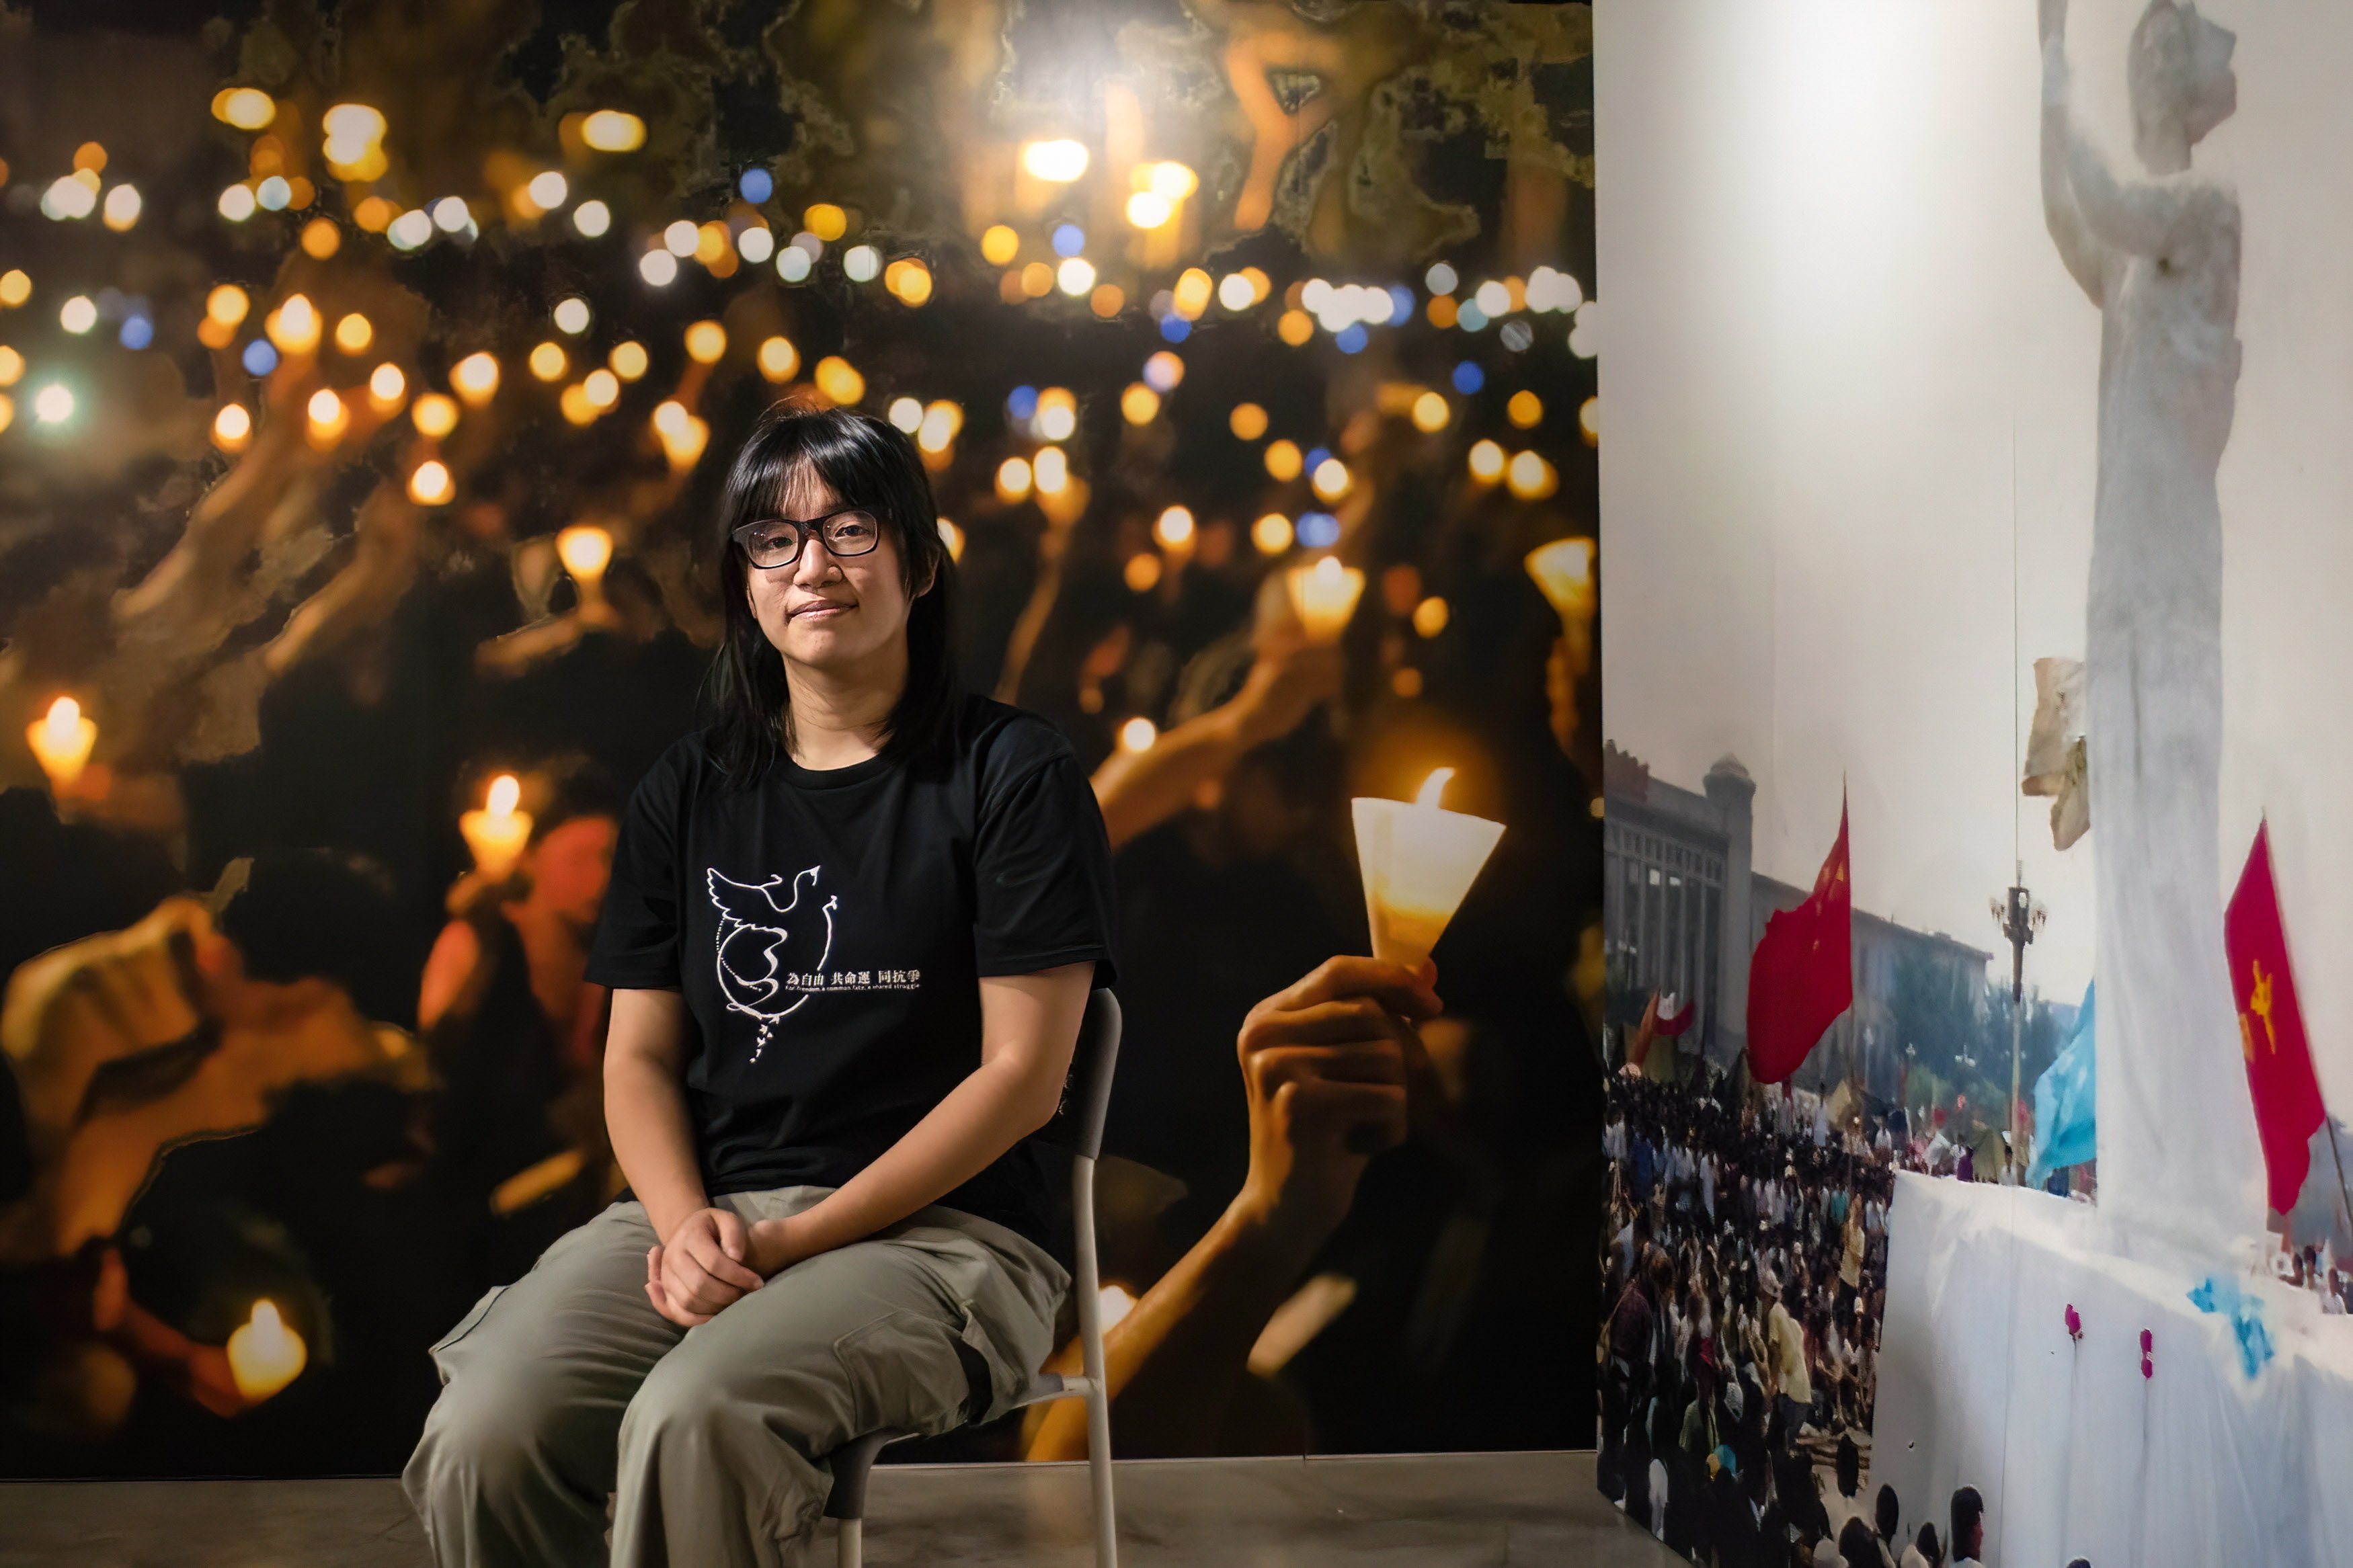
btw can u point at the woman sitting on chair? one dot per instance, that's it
(850, 936)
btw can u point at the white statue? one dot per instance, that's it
(2159, 256)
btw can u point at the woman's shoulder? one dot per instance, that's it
(679, 772)
(690, 756)
(1005, 742)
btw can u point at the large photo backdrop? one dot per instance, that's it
(367, 372)
(1970, 493)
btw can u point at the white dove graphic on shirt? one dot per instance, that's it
(759, 938)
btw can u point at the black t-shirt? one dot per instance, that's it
(828, 928)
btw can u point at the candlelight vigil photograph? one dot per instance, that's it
(1977, 869)
(740, 730)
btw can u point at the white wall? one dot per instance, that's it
(1829, 306)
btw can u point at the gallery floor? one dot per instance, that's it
(1406, 1511)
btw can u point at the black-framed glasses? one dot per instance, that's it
(770, 542)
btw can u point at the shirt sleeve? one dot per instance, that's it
(1042, 875)
(638, 929)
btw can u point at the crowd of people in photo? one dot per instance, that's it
(1744, 1280)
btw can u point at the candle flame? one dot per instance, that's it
(506, 794)
(1432, 787)
(64, 719)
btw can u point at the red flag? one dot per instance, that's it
(2270, 1027)
(1801, 976)
(1676, 1015)
(1638, 1047)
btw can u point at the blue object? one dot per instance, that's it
(2222, 1295)
(1317, 529)
(261, 359)
(756, 186)
(138, 332)
(1468, 378)
(1175, 328)
(1022, 403)
(1351, 339)
(1315, 458)
(1069, 239)
(2066, 1104)
(1401, 304)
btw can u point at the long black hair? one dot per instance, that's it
(868, 464)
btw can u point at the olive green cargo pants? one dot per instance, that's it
(566, 1386)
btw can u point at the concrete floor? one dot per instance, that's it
(1453, 1510)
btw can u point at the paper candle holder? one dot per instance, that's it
(586, 551)
(62, 740)
(265, 1353)
(1323, 597)
(1563, 571)
(1418, 862)
(498, 833)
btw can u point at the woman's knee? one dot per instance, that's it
(692, 1407)
(487, 1433)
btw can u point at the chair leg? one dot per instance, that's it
(1082, 1205)
(1099, 1479)
(852, 1464)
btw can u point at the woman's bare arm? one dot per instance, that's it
(1028, 1029)
(699, 1266)
(645, 1109)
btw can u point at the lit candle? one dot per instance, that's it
(1564, 569)
(264, 1354)
(681, 434)
(1418, 862)
(497, 833)
(62, 741)
(586, 551)
(1323, 597)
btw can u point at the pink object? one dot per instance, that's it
(2075, 1323)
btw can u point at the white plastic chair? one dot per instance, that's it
(1077, 1126)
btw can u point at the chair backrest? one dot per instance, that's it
(1078, 1125)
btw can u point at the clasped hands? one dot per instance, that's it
(714, 1259)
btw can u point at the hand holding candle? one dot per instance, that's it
(1417, 863)
(1323, 597)
(498, 833)
(265, 1353)
(62, 741)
